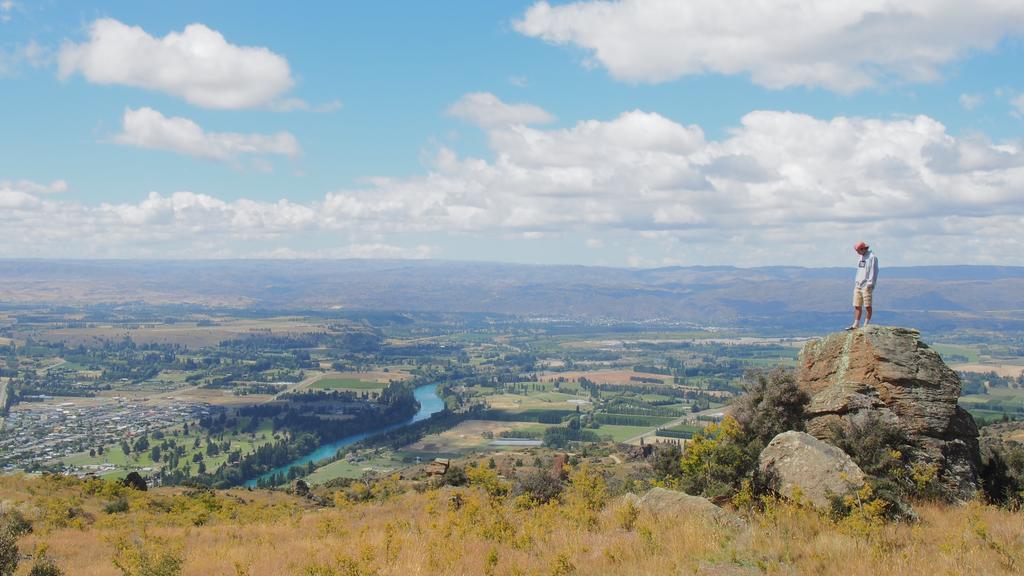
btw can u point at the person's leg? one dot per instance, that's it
(868, 300)
(857, 302)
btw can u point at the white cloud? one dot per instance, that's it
(778, 188)
(290, 104)
(148, 128)
(485, 109)
(840, 46)
(197, 64)
(6, 7)
(971, 101)
(31, 53)
(30, 187)
(1018, 104)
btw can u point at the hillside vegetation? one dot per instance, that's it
(94, 527)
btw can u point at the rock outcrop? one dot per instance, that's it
(134, 480)
(889, 374)
(798, 463)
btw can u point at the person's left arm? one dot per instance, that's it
(869, 281)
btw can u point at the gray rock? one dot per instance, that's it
(799, 462)
(660, 501)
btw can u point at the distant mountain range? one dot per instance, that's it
(780, 298)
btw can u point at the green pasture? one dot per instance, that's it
(633, 420)
(536, 400)
(346, 384)
(384, 463)
(620, 433)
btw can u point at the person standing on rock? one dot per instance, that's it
(864, 283)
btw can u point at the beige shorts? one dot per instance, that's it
(862, 296)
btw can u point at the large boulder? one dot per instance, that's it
(886, 374)
(660, 501)
(798, 463)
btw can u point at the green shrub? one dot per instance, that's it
(116, 506)
(16, 522)
(43, 566)
(540, 486)
(1002, 472)
(585, 496)
(8, 552)
(666, 461)
(718, 460)
(772, 403)
(152, 557)
(882, 451)
(877, 446)
(454, 476)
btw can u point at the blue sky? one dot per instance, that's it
(630, 133)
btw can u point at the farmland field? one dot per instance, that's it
(368, 380)
(542, 400)
(620, 377)
(328, 383)
(620, 433)
(1005, 370)
(382, 464)
(470, 435)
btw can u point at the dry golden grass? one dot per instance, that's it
(260, 533)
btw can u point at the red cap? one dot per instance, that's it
(860, 246)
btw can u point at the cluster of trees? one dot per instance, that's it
(560, 437)
(652, 370)
(293, 473)
(640, 407)
(630, 419)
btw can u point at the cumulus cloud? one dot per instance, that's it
(840, 46)
(197, 64)
(485, 109)
(148, 128)
(780, 187)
